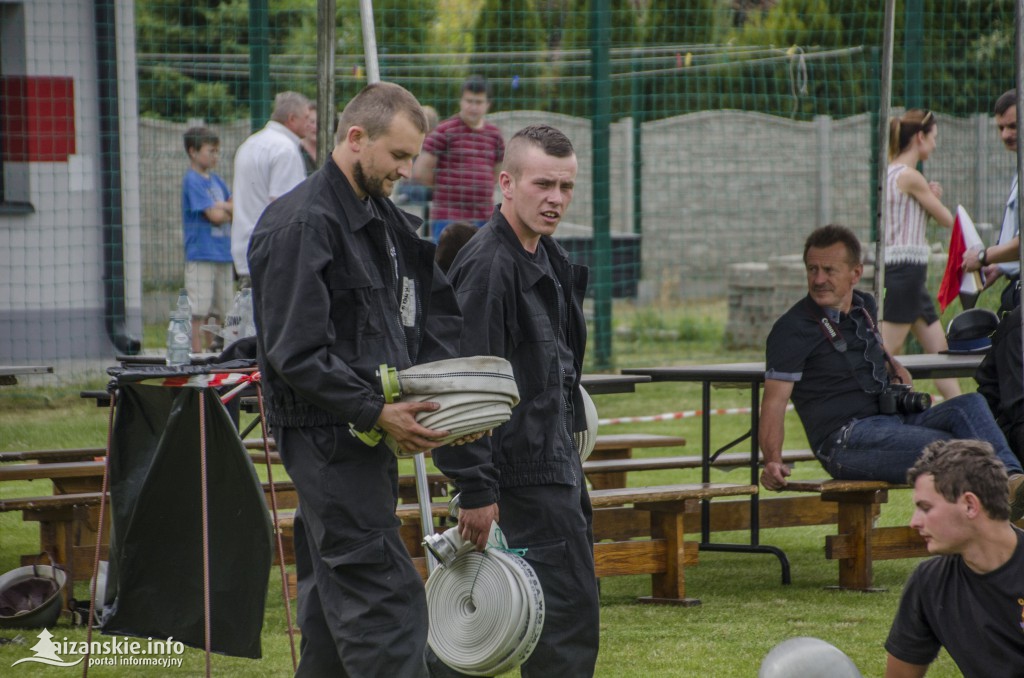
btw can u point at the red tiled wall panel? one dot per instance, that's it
(38, 118)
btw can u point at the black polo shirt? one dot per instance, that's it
(830, 387)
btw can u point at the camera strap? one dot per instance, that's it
(838, 342)
(831, 332)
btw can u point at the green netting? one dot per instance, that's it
(713, 135)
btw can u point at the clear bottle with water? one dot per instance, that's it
(238, 323)
(179, 332)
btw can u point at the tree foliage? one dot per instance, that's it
(798, 58)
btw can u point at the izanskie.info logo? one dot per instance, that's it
(108, 652)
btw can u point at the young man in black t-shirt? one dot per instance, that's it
(970, 599)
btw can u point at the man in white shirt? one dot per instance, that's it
(1002, 258)
(267, 165)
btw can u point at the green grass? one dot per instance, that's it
(745, 610)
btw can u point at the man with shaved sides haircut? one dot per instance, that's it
(341, 285)
(523, 301)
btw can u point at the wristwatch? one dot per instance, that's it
(983, 256)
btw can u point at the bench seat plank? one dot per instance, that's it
(69, 454)
(833, 485)
(65, 469)
(726, 460)
(627, 441)
(618, 496)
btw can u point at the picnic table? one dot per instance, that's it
(751, 374)
(602, 384)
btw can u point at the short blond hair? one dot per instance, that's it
(375, 107)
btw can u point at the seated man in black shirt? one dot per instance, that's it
(826, 353)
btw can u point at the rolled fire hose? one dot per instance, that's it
(586, 439)
(475, 394)
(486, 609)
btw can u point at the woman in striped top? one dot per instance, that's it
(910, 200)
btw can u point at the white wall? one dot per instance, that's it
(51, 288)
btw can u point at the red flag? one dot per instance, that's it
(953, 277)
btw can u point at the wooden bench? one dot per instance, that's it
(620, 446)
(726, 515)
(607, 448)
(666, 554)
(91, 453)
(79, 454)
(83, 476)
(858, 543)
(663, 556)
(726, 461)
(68, 524)
(51, 471)
(69, 517)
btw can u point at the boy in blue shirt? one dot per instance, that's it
(206, 214)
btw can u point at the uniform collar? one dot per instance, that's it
(532, 272)
(357, 211)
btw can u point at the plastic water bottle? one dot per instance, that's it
(238, 323)
(248, 324)
(179, 332)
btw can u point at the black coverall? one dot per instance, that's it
(341, 286)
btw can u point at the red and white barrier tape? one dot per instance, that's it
(242, 379)
(669, 416)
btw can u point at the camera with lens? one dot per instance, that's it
(899, 399)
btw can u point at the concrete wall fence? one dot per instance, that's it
(718, 188)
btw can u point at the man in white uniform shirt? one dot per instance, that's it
(1002, 258)
(267, 165)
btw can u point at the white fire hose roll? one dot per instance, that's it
(474, 394)
(482, 373)
(586, 439)
(454, 412)
(486, 609)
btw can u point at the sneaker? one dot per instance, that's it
(1016, 497)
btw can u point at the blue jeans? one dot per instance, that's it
(885, 446)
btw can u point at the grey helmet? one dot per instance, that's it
(31, 596)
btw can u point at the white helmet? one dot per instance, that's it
(586, 439)
(806, 657)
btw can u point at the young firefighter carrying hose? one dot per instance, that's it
(522, 300)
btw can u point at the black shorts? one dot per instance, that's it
(906, 295)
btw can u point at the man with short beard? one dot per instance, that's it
(341, 285)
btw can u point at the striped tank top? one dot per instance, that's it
(905, 222)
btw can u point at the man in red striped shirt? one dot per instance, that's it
(461, 159)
